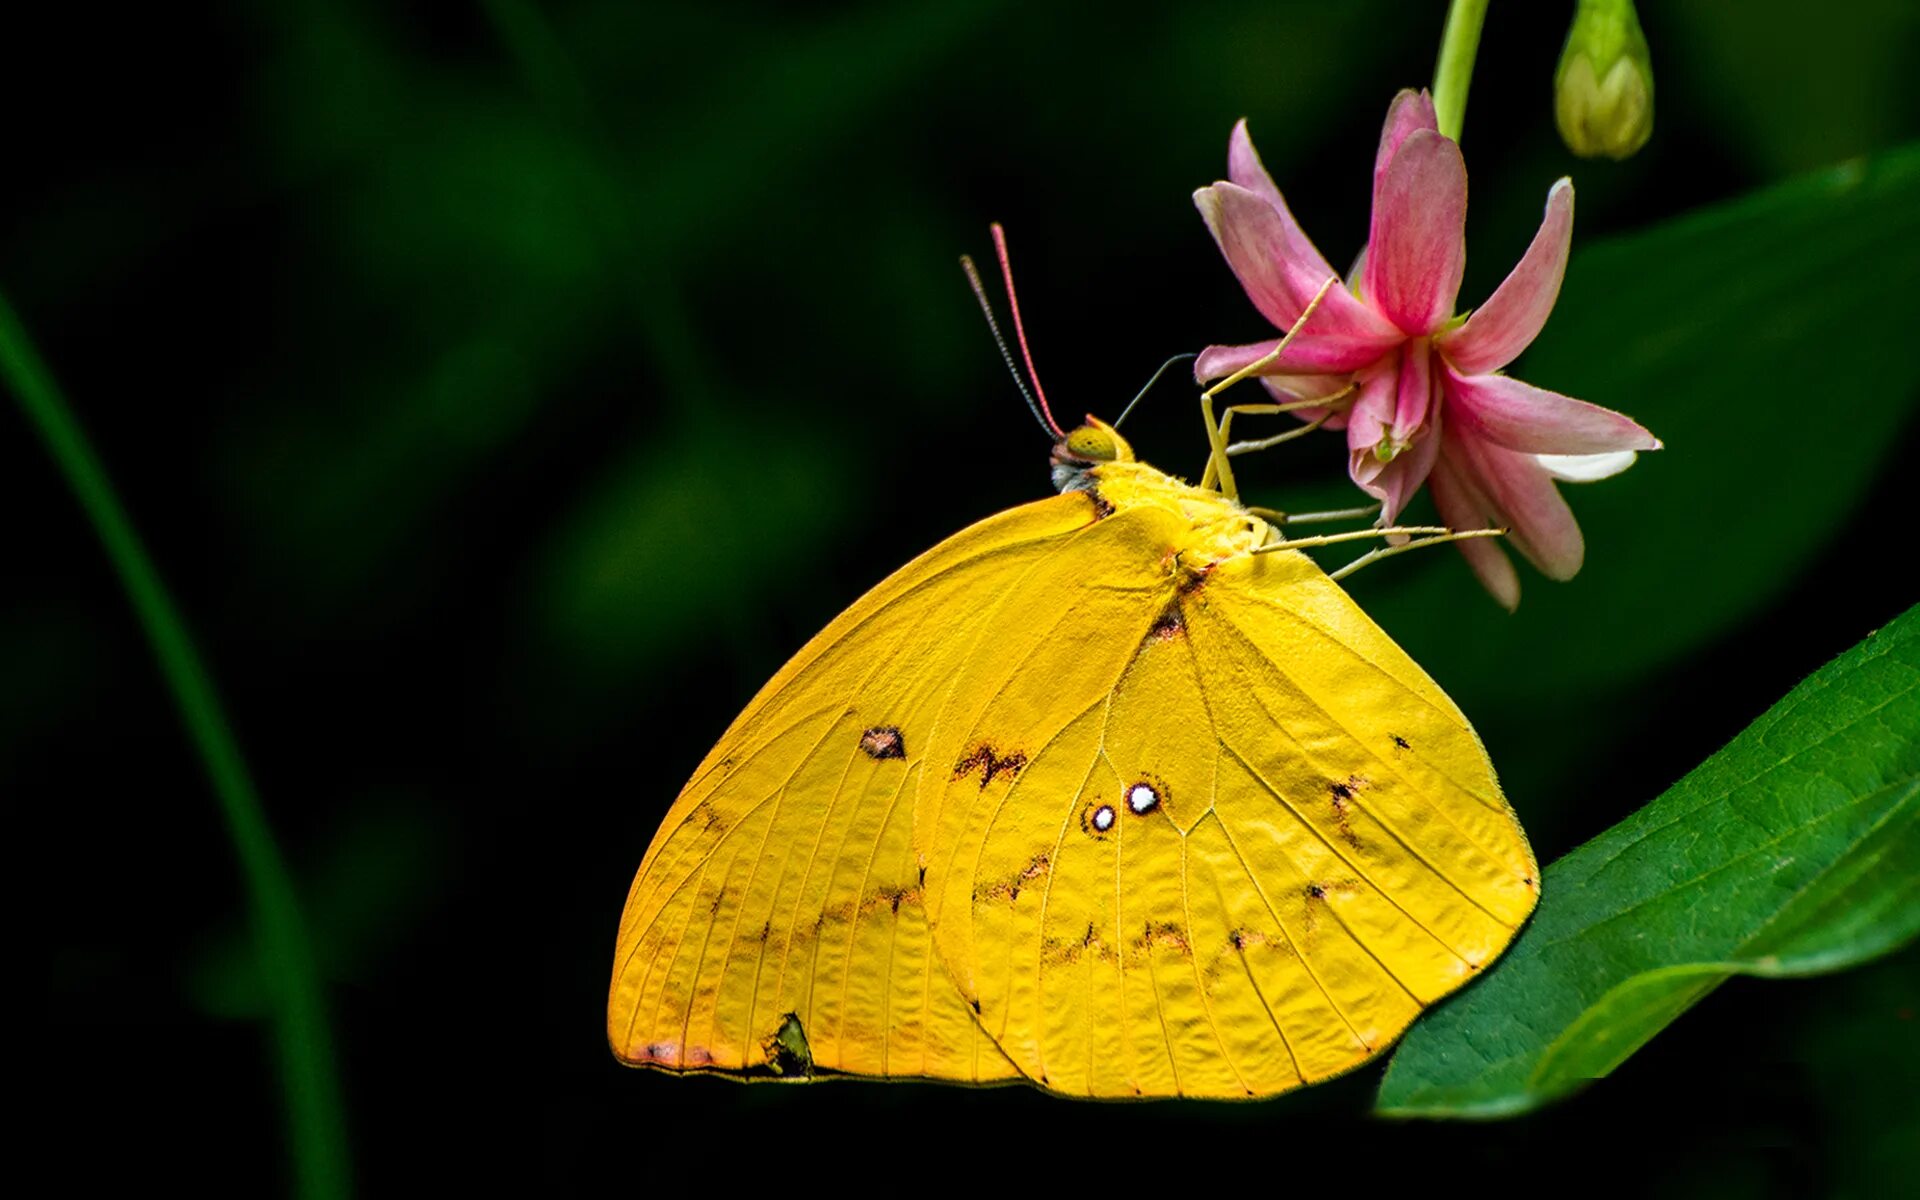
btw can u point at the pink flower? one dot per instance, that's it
(1418, 391)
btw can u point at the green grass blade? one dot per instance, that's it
(306, 1063)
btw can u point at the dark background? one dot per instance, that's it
(506, 390)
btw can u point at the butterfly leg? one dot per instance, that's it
(1276, 517)
(1355, 535)
(1379, 552)
(1212, 477)
(1219, 473)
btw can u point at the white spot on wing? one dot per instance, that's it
(1103, 818)
(1142, 799)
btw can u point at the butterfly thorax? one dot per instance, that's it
(1220, 528)
(1096, 460)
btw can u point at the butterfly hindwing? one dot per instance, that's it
(1248, 842)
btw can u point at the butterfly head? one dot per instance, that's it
(1082, 450)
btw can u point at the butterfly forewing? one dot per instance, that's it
(784, 882)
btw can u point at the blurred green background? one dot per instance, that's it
(506, 390)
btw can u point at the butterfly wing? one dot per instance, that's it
(1248, 840)
(777, 922)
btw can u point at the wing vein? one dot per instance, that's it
(1298, 954)
(1451, 714)
(1227, 833)
(1199, 980)
(1046, 897)
(1328, 842)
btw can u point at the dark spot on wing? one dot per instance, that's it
(1240, 941)
(890, 898)
(989, 764)
(1242, 944)
(1343, 793)
(883, 741)
(1310, 923)
(1010, 889)
(788, 1054)
(1401, 742)
(1169, 625)
(1087, 945)
(1191, 578)
(893, 898)
(1165, 934)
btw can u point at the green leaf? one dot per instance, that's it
(1794, 850)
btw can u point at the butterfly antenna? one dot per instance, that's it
(1141, 395)
(1019, 332)
(1006, 355)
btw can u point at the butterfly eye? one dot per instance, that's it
(1094, 443)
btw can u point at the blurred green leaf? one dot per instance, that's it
(1750, 337)
(1870, 1016)
(682, 537)
(1735, 58)
(367, 890)
(1794, 850)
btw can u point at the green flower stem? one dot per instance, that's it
(312, 1091)
(1454, 71)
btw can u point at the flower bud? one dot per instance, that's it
(1603, 90)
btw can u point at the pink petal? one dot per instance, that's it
(1288, 388)
(1309, 355)
(1357, 277)
(1418, 246)
(1394, 483)
(1415, 391)
(1245, 168)
(1512, 317)
(1305, 387)
(1521, 496)
(1462, 508)
(1409, 113)
(1371, 415)
(1522, 417)
(1281, 271)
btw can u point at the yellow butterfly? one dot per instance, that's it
(1116, 793)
